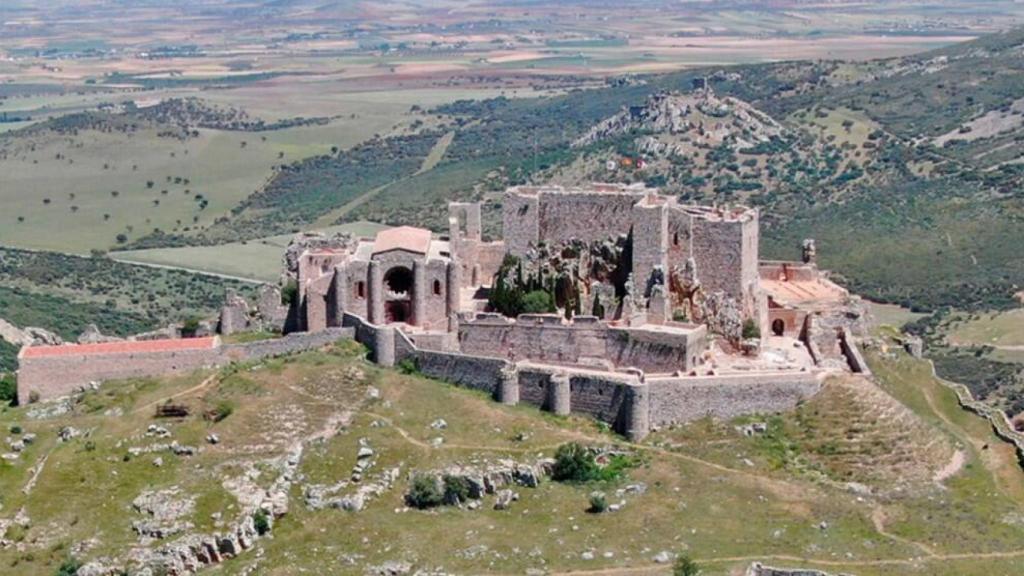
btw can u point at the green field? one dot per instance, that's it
(998, 329)
(259, 260)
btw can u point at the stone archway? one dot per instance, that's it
(398, 289)
(778, 327)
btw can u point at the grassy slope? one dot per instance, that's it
(702, 497)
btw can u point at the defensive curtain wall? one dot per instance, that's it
(47, 372)
(586, 341)
(630, 401)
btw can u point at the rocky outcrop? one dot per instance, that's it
(30, 336)
(92, 335)
(699, 115)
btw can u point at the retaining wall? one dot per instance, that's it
(586, 341)
(676, 400)
(59, 375)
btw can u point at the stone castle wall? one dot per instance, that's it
(675, 400)
(56, 376)
(531, 214)
(546, 338)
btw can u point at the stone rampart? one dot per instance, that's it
(68, 369)
(677, 400)
(53, 376)
(547, 339)
(475, 372)
(290, 344)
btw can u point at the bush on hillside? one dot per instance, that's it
(425, 492)
(574, 463)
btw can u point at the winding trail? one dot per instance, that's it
(664, 569)
(205, 383)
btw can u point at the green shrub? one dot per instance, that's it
(685, 566)
(751, 329)
(16, 429)
(261, 522)
(456, 489)
(190, 327)
(407, 366)
(224, 409)
(574, 463)
(69, 567)
(424, 492)
(8, 389)
(598, 503)
(537, 302)
(289, 292)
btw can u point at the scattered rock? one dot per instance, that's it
(663, 557)
(213, 439)
(439, 424)
(158, 461)
(67, 433)
(504, 499)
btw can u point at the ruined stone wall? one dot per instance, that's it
(316, 303)
(289, 344)
(539, 338)
(435, 296)
(475, 372)
(725, 252)
(352, 286)
(678, 236)
(585, 216)
(650, 229)
(656, 351)
(558, 216)
(677, 400)
(520, 222)
(489, 258)
(586, 341)
(792, 271)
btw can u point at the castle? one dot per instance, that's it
(640, 290)
(609, 300)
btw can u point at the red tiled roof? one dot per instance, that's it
(402, 238)
(125, 347)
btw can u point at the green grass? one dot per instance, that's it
(258, 259)
(991, 329)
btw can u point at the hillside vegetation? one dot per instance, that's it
(820, 488)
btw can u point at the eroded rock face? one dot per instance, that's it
(30, 336)
(92, 335)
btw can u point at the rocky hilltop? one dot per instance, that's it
(703, 147)
(697, 118)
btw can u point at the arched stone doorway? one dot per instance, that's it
(398, 287)
(778, 327)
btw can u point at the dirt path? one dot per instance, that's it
(209, 380)
(878, 519)
(916, 562)
(950, 469)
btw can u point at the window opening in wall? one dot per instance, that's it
(361, 289)
(437, 287)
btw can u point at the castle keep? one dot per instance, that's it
(610, 300)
